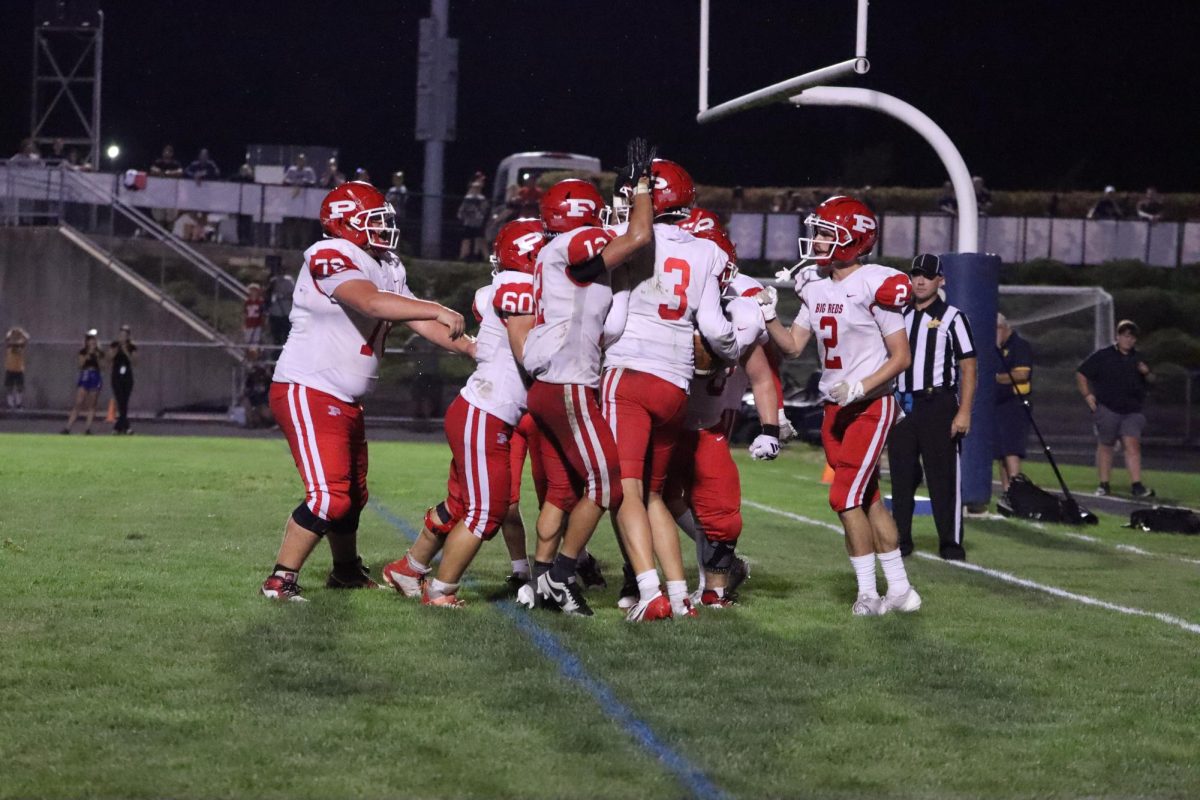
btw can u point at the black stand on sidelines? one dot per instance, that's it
(1068, 509)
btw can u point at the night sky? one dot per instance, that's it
(1037, 94)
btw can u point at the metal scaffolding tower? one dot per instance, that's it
(68, 52)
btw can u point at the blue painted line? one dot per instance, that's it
(550, 646)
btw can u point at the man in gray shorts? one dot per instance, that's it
(1113, 382)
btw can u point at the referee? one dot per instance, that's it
(943, 362)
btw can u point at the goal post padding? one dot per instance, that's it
(972, 284)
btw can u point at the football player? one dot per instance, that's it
(648, 370)
(704, 488)
(480, 427)
(350, 292)
(572, 298)
(862, 345)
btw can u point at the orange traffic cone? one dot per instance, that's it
(111, 416)
(827, 476)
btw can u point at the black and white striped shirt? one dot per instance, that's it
(939, 336)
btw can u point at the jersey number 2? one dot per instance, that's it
(680, 291)
(830, 324)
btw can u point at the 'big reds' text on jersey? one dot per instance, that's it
(564, 345)
(330, 347)
(496, 385)
(666, 307)
(850, 319)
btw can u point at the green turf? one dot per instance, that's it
(138, 660)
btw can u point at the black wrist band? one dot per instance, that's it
(771, 430)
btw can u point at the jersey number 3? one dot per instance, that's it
(680, 291)
(830, 324)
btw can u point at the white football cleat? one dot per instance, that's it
(868, 606)
(906, 603)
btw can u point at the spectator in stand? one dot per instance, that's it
(1113, 382)
(300, 173)
(739, 198)
(397, 196)
(361, 175)
(15, 342)
(245, 174)
(280, 289)
(256, 391)
(57, 153)
(26, 154)
(192, 226)
(948, 202)
(1107, 206)
(166, 165)
(203, 168)
(1150, 207)
(88, 386)
(254, 310)
(332, 176)
(1014, 382)
(472, 215)
(122, 352)
(983, 197)
(779, 203)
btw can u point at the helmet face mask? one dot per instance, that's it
(379, 224)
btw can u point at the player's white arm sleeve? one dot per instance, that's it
(714, 326)
(748, 323)
(618, 314)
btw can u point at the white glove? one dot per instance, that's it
(765, 447)
(768, 298)
(844, 393)
(786, 431)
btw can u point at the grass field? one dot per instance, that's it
(138, 660)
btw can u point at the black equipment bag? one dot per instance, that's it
(1165, 519)
(1027, 500)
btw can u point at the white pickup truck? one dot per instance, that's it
(518, 168)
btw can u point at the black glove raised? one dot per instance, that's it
(640, 155)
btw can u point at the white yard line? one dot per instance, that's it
(1001, 576)
(1083, 537)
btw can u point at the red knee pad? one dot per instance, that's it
(439, 521)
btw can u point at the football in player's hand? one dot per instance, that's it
(705, 361)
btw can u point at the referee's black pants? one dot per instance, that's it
(923, 438)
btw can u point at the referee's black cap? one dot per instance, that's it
(926, 264)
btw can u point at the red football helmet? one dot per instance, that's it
(851, 224)
(358, 213)
(571, 204)
(673, 192)
(517, 245)
(704, 224)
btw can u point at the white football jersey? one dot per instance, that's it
(710, 397)
(850, 322)
(496, 385)
(564, 345)
(332, 348)
(665, 308)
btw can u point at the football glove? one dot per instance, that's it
(786, 431)
(764, 447)
(844, 393)
(768, 298)
(640, 155)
